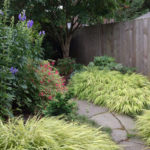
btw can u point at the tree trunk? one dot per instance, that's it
(66, 47)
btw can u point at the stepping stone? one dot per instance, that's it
(130, 145)
(137, 140)
(119, 135)
(89, 109)
(104, 118)
(107, 120)
(127, 122)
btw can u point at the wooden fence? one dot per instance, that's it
(128, 42)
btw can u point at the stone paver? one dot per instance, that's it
(137, 140)
(88, 109)
(107, 120)
(127, 122)
(120, 125)
(119, 135)
(130, 145)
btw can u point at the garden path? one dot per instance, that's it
(122, 127)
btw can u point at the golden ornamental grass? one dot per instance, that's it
(122, 93)
(51, 134)
(143, 126)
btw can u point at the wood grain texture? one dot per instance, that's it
(128, 42)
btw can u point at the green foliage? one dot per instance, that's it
(78, 67)
(65, 65)
(122, 93)
(146, 4)
(55, 15)
(103, 61)
(81, 119)
(132, 9)
(20, 47)
(59, 105)
(109, 63)
(107, 130)
(129, 135)
(51, 133)
(143, 126)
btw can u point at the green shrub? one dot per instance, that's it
(109, 63)
(51, 133)
(143, 126)
(122, 93)
(78, 67)
(103, 61)
(19, 44)
(59, 105)
(65, 66)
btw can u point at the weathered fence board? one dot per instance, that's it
(128, 42)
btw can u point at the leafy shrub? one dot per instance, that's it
(103, 61)
(19, 44)
(65, 66)
(51, 133)
(143, 126)
(78, 67)
(51, 82)
(109, 63)
(122, 93)
(68, 65)
(59, 105)
(26, 90)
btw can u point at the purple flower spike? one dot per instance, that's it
(40, 32)
(22, 17)
(13, 70)
(1, 13)
(30, 23)
(19, 16)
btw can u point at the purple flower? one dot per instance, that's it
(13, 70)
(42, 32)
(22, 17)
(30, 23)
(1, 13)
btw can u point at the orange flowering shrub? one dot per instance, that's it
(51, 82)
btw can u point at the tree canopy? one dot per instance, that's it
(132, 9)
(62, 18)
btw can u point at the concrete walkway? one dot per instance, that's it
(122, 127)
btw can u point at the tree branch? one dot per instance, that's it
(78, 25)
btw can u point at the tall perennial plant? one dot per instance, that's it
(20, 47)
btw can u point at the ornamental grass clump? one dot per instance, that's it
(143, 126)
(122, 93)
(52, 134)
